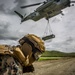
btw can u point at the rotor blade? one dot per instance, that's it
(19, 14)
(30, 5)
(72, 1)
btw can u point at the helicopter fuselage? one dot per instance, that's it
(48, 9)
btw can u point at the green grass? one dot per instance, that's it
(57, 54)
(49, 58)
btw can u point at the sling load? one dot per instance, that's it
(48, 34)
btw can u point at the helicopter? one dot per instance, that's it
(48, 9)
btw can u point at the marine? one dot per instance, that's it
(16, 60)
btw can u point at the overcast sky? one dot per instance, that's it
(62, 26)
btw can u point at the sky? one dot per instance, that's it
(62, 26)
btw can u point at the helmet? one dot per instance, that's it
(34, 41)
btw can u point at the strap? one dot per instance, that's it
(26, 40)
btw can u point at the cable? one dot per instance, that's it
(48, 29)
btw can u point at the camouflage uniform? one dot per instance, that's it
(9, 66)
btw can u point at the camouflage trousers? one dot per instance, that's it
(9, 66)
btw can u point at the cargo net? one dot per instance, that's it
(48, 34)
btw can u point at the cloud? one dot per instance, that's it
(10, 28)
(19, 4)
(5, 33)
(8, 19)
(64, 30)
(2, 7)
(3, 28)
(8, 6)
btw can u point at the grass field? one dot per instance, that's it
(49, 58)
(55, 55)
